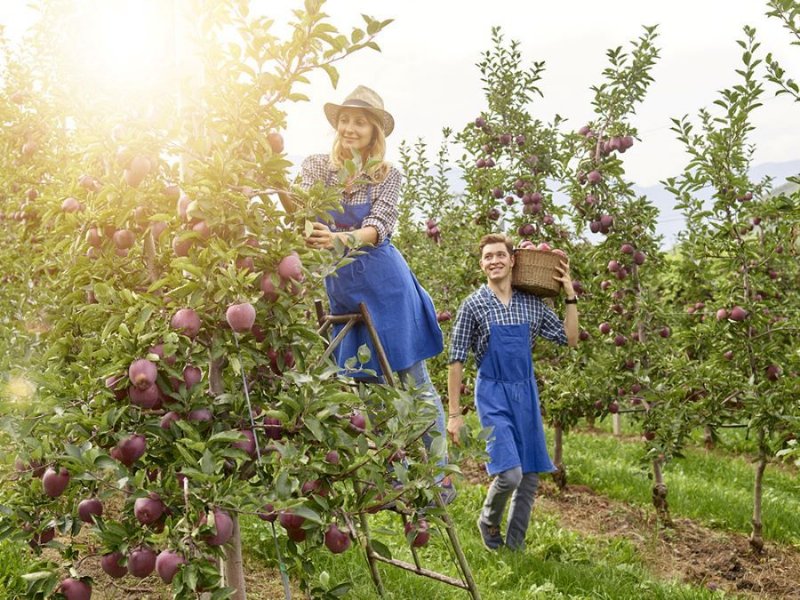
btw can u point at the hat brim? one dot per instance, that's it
(332, 114)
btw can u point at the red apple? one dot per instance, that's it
(148, 509)
(89, 508)
(142, 373)
(336, 540)
(223, 527)
(268, 288)
(111, 564)
(167, 564)
(241, 317)
(268, 513)
(146, 398)
(137, 169)
(289, 520)
(358, 422)
(420, 532)
(55, 482)
(291, 267)
(275, 141)
(200, 415)
(181, 247)
(129, 450)
(168, 419)
(71, 205)
(773, 372)
(141, 561)
(605, 328)
(75, 589)
(247, 445)
(738, 314)
(187, 321)
(124, 239)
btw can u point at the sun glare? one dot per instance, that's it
(18, 389)
(123, 46)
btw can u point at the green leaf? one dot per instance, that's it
(381, 549)
(364, 353)
(333, 74)
(315, 428)
(207, 463)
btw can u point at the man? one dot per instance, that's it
(499, 325)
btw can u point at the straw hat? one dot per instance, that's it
(361, 97)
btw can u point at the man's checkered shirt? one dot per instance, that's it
(482, 308)
(383, 214)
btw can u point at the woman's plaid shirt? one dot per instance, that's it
(482, 308)
(383, 214)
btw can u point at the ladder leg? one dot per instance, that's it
(460, 557)
(384, 362)
(373, 564)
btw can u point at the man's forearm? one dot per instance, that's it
(455, 374)
(571, 324)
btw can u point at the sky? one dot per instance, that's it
(427, 76)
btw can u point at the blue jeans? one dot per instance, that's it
(417, 376)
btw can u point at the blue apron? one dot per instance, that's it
(507, 400)
(402, 311)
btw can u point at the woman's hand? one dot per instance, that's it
(321, 236)
(565, 278)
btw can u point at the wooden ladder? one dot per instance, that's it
(466, 582)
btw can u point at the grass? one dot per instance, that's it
(557, 564)
(714, 488)
(12, 566)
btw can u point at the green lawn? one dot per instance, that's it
(715, 488)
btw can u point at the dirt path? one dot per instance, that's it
(687, 552)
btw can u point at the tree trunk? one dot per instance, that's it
(708, 437)
(660, 494)
(756, 541)
(234, 566)
(616, 424)
(560, 474)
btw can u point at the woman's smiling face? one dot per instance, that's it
(355, 130)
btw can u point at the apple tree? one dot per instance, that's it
(739, 332)
(175, 356)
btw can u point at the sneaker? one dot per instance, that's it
(490, 535)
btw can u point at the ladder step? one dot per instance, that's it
(420, 571)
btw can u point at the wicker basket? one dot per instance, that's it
(534, 271)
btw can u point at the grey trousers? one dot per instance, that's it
(522, 490)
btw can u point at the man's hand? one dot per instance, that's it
(454, 427)
(565, 278)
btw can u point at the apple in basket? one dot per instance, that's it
(527, 244)
(544, 247)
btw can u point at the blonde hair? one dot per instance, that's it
(376, 151)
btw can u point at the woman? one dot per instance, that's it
(402, 311)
